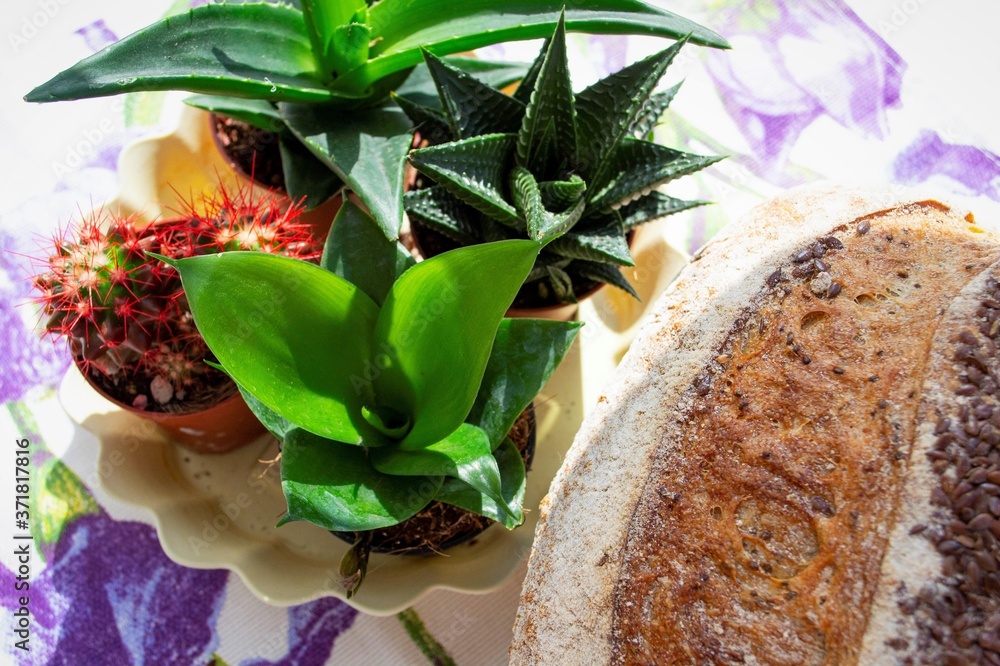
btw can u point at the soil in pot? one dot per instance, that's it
(441, 526)
(212, 417)
(135, 390)
(251, 151)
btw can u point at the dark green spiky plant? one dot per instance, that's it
(322, 70)
(547, 161)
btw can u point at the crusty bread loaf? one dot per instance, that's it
(797, 461)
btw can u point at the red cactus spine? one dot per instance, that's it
(124, 314)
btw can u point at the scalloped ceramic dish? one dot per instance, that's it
(220, 511)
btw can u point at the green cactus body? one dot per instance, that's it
(124, 313)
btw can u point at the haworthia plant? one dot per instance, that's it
(547, 162)
(391, 384)
(343, 54)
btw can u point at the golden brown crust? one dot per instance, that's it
(665, 419)
(762, 533)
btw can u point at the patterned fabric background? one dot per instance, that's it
(811, 90)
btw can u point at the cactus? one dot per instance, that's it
(124, 314)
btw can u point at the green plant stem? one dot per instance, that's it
(428, 645)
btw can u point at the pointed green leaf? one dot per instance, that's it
(428, 121)
(492, 231)
(359, 252)
(465, 454)
(551, 105)
(419, 88)
(652, 111)
(257, 112)
(295, 336)
(548, 161)
(605, 243)
(436, 329)
(560, 194)
(528, 200)
(545, 259)
(541, 223)
(245, 50)
(436, 208)
(275, 424)
(562, 284)
(525, 354)
(473, 108)
(638, 167)
(305, 176)
(474, 171)
(527, 85)
(567, 219)
(512, 480)
(350, 47)
(608, 110)
(335, 486)
(323, 19)
(599, 272)
(652, 207)
(367, 150)
(403, 27)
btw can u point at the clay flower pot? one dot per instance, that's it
(253, 154)
(223, 427)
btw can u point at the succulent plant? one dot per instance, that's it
(391, 384)
(322, 62)
(546, 161)
(125, 315)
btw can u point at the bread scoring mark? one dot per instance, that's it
(797, 425)
(958, 615)
(778, 538)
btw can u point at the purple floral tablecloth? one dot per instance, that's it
(884, 91)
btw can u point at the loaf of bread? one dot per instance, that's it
(798, 461)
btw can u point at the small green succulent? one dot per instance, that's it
(313, 66)
(546, 161)
(391, 384)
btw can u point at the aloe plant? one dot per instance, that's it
(390, 384)
(331, 57)
(546, 161)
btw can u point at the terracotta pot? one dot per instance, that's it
(224, 427)
(559, 312)
(318, 219)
